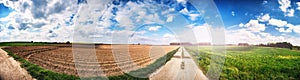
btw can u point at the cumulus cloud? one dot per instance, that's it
(295, 28)
(164, 38)
(154, 28)
(32, 20)
(284, 4)
(298, 4)
(232, 13)
(192, 16)
(277, 22)
(181, 1)
(241, 25)
(184, 11)
(248, 33)
(290, 13)
(170, 18)
(285, 7)
(167, 35)
(265, 2)
(264, 18)
(134, 14)
(284, 26)
(284, 30)
(47, 20)
(255, 26)
(202, 33)
(245, 36)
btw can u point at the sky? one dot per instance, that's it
(151, 21)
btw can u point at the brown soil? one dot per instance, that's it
(87, 61)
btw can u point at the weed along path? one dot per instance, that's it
(11, 69)
(180, 67)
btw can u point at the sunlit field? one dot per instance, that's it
(252, 62)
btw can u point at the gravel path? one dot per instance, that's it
(173, 69)
(11, 69)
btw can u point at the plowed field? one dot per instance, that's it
(103, 60)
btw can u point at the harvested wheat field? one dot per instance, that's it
(101, 60)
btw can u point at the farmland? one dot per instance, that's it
(251, 62)
(61, 59)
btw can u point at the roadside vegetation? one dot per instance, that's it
(252, 62)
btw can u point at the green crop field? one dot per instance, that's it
(252, 62)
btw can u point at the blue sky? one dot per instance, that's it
(4, 10)
(149, 22)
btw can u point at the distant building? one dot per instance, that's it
(230, 44)
(183, 43)
(204, 44)
(174, 43)
(243, 44)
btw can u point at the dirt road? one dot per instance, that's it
(174, 70)
(11, 69)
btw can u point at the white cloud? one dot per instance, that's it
(284, 30)
(284, 6)
(255, 26)
(290, 13)
(29, 21)
(170, 18)
(167, 35)
(181, 1)
(245, 36)
(168, 11)
(134, 14)
(277, 22)
(265, 2)
(202, 33)
(31, 17)
(159, 39)
(123, 19)
(154, 28)
(264, 18)
(283, 25)
(298, 4)
(195, 33)
(194, 16)
(184, 11)
(241, 25)
(295, 28)
(232, 13)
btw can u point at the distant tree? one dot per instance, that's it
(68, 42)
(243, 44)
(31, 41)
